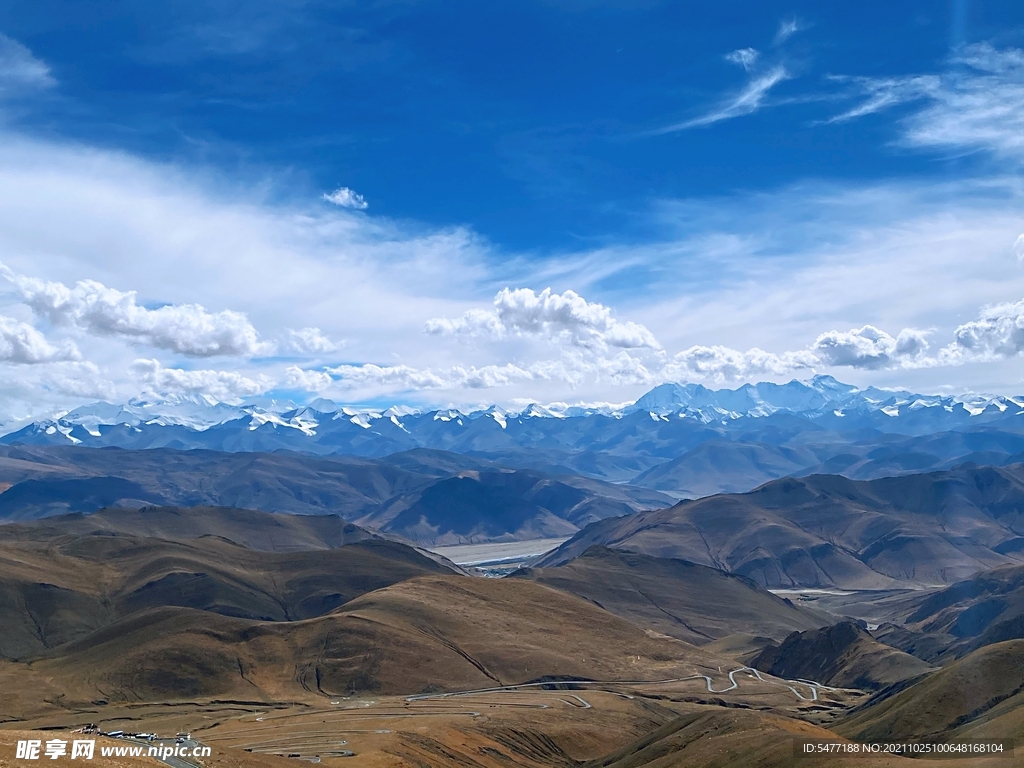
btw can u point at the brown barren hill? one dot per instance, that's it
(842, 655)
(966, 694)
(433, 633)
(53, 591)
(691, 602)
(829, 531)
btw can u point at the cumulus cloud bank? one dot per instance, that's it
(722, 363)
(870, 348)
(557, 316)
(21, 343)
(590, 332)
(188, 329)
(226, 386)
(997, 333)
(309, 341)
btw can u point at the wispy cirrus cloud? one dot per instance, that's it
(745, 102)
(881, 93)
(744, 57)
(19, 69)
(753, 96)
(977, 104)
(787, 28)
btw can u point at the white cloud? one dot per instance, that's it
(308, 380)
(787, 28)
(724, 364)
(997, 333)
(404, 377)
(187, 329)
(21, 343)
(19, 68)
(977, 105)
(45, 389)
(1018, 248)
(751, 272)
(226, 386)
(309, 341)
(572, 369)
(745, 57)
(558, 316)
(881, 93)
(78, 380)
(870, 348)
(747, 101)
(347, 198)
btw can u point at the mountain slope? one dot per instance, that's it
(983, 685)
(429, 496)
(720, 466)
(678, 598)
(842, 655)
(59, 588)
(826, 530)
(428, 633)
(491, 505)
(984, 609)
(261, 531)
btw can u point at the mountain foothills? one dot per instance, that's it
(276, 637)
(433, 497)
(686, 440)
(829, 531)
(691, 602)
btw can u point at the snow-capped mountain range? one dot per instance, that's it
(323, 426)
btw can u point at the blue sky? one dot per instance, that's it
(530, 122)
(735, 179)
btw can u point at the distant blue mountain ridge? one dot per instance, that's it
(681, 438)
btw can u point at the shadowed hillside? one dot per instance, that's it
(984, 609)
(426, 634)
(433, 497)
(58, 589)
(968, 695)
(262, 531)
(691, 602)
(826, 530)
(842, 655)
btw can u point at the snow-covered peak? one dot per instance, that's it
(820, 399)
(537, 411)
(195, 412)
(448, 415)
(323, 405)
